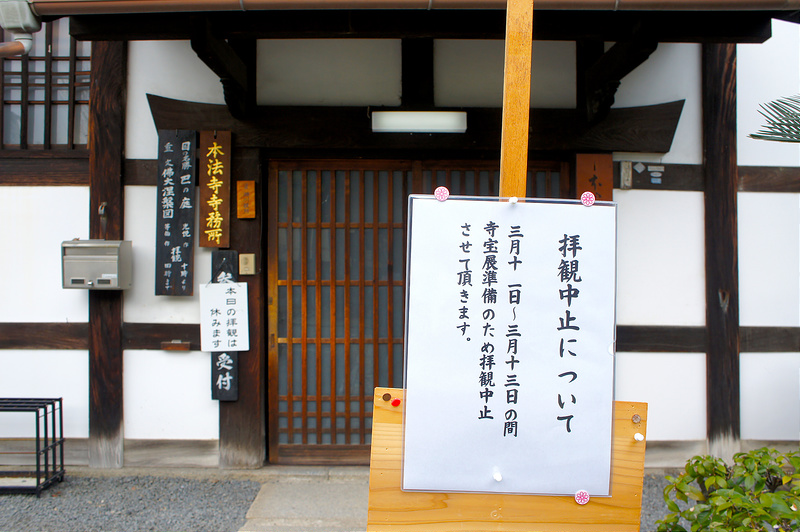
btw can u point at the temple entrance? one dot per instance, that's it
(336, 285)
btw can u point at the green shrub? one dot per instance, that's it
(761, 491)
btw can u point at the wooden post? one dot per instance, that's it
(722, 272)
(516, 98)
(106, 144)
(242, 423)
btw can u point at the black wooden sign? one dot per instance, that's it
(224, 266)
(175, 212)
(225, 366)
(225, 376)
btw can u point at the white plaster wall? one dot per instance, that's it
(167, 395)
(140, 304)
(35, 220)
(164, 68)
(46, 374)
(766, 72)
(671, 73)
(469, 73)
(660, 258)
(770, 396)
(674, 387)
(329, 72)
(769, 259)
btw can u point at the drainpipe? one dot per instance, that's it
(17, 17)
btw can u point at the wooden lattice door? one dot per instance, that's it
(336, 248)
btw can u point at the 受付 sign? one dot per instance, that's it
(509, 346)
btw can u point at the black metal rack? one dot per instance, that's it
(49, 447)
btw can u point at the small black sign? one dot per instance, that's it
(224, 266)
(225, 376)
(175, 212)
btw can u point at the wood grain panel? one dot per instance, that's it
(630, 338)
(44, 336)
(242, 423)
(721, 236)
(393, 510)
(516, 98)
(25, 170)
(106, 148)
(151, 335)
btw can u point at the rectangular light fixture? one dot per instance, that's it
(419, 121)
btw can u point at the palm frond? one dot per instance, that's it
(783, 120)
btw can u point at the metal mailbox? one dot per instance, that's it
(96, 264)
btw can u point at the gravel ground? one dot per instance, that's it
(653, 507)
(131, 504)
(98, 502)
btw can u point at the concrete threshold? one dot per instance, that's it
(327, 500)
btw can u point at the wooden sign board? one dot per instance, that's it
(215, 188)
(594, 172)
(225, 376)
(246, 199)
(175, 213)
(394, 510)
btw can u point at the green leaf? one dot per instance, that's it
(783, 120)
(695, 494)
(779, 505)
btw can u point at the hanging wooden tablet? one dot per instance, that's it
(175, 213)
(215, 188)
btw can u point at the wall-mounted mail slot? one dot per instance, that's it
(96, 264)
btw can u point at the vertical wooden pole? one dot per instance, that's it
(722, 272)
(242, 423)
(516, 98)
(106, 149)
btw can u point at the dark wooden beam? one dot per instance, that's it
(660, 339)
(32, 169)
(242, 423)
(722, 272)
(639, 129)
(657, 176)
(44, 336)
(770, 339)
(236, 75)
(572, 25)
(769, 179)
(587, 53)
(417, 73)
(603, 77)
(151, 335)
(673, 176)
(141, 172)
(106, 149)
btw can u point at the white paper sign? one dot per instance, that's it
(509, 346)
(224, 324)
